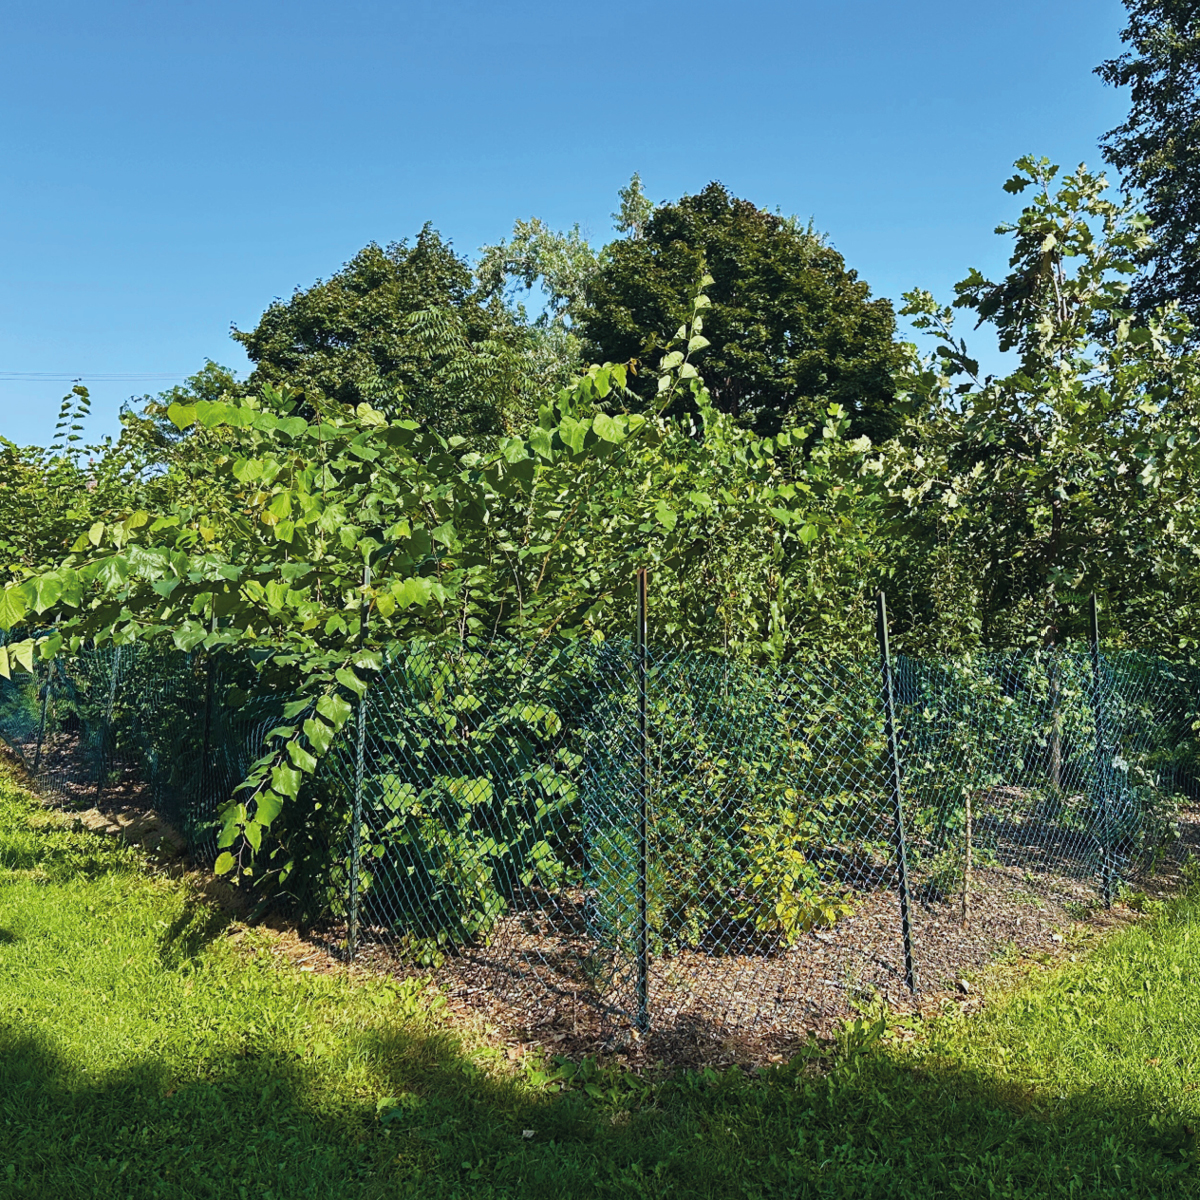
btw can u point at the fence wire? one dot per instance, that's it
(577, 836)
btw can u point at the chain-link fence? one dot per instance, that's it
(613, 839)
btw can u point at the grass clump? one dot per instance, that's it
(150, 1049)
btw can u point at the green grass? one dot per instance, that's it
(145, 1052)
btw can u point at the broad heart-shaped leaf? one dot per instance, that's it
(231, 819)
(213, 412)
(5, 666)
(286, 781)
(252, 831)
(281, 505)
(608, 428)
(22, 654)
(348, 679)
(268, 805)
(112, 573)
(414, 591)
(12, 607)
(573, 433)
(189, 635)
(513, 450)
(319, 734)
(47, 591)
(335, 710)
(301, 759)
(225, 860)
(181, 415)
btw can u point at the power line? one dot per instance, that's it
(83, 376)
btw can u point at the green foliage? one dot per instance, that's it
(471, 798)
(1071, 474)
(789, 892)
(762, 803)
(309, 537)
(790, 330)
(48, 495)
(1157, 149)
(403, 330)
(279, 502)
(635, 211)
(561, 263)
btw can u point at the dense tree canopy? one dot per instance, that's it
(1157, 148)
(405, 330)
(791, 329)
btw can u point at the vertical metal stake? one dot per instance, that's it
(108, 715)
(360, 755)
(893, 753)
(1103, 761)
(208, 706)
(643, 916)
(37, 754)
(206, 741)
(356, 826)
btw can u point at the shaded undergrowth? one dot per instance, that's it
(149, 1048)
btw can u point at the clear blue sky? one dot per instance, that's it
(169, 167)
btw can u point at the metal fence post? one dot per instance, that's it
(41, 736)
(643, 916)
(897, 800)
(106, 736)
(360, 755)
(206, 740)
(1103, 761)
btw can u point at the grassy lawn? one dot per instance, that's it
(146, 1050)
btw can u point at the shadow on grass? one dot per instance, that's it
(198, 923)
(275, 1125)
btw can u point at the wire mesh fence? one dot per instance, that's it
(620, 840)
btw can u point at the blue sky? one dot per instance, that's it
(169, 167)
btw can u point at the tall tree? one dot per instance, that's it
(1078, 471)
(1157, 149)
(791, 330)
(405, 330)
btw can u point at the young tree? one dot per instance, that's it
(1157, 148)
